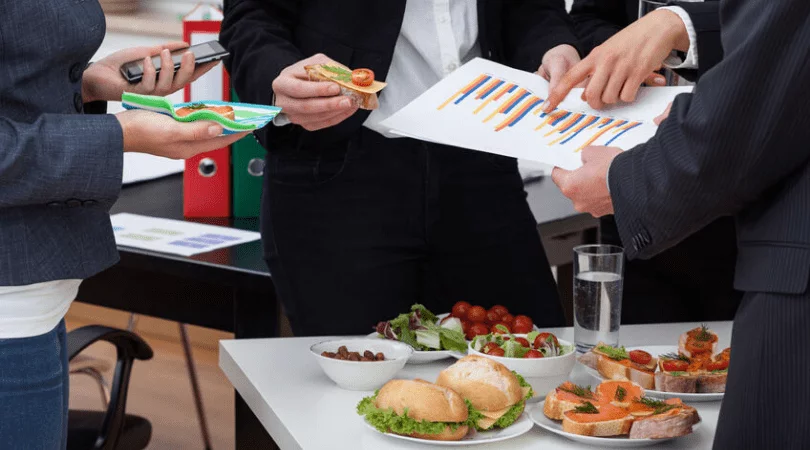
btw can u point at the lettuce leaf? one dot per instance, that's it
(429, 338)
(424, 314)
(513, 349)
(523, 383)
(474, 415)
(452, 340)
(511, 416)
(387, 421)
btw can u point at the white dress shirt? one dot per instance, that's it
(436, 38)
(34, 309)
(691, 59)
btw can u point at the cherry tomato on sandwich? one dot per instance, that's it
(493, 317)
(695, 346)
(533, 354)
(477, 314)
(500, 310)
(495, 329)
(460, 310)
(640, 357)
(675, 365)
(522, 341)
(717, 365)
(362, 77)
(542, 339)
(477, 329)
(489, 347)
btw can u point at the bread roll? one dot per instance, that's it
(424, 401)
(486, 383)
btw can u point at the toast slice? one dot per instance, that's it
(364, 97)
(669, 423)
(712, 383)
(612, 366)
(683, 382)
(608, 420)
(565, 398)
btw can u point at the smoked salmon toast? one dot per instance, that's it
(565, 398)
(224, 111)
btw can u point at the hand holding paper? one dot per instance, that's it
(587, 187)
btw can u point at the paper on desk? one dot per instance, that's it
(176, 237)
(489, 107)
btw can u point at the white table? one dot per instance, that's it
(303, 409)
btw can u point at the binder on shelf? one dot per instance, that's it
(207, 177)
(247, 157)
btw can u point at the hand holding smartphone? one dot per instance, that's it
(203, 53)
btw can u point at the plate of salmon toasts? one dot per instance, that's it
(614, 414)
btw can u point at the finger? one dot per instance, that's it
(614, 86)
(312, 106)
(663, 115)
(556, 71)
(191, 149)
(596, 87)
(328, 122)
(185, 72)
(201, 69)
(293, 87)
(172, 46)
(542, 72)
(166, 75)
(655, 79)
(589, 153)
(304, 119)
(630, 90)
(147, 83)
(576, 75)
(194, 131)
(559, 176)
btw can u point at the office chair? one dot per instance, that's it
(112, 429)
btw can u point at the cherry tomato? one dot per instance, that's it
(675, 365)
(495, 330)
(465, 325)
(489, 347)
(497, 352)
(524, 320)
(717, 365)
(500, 310)
(523, 341)
(521, 328)
(508, 318)
(493, 317)
(460, 310)
(478, 329)
(640, 357)
(477, 314)
(533, 354)
(542, 338)
(362, 77)
(695, 346)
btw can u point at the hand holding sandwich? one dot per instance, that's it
(311, 104)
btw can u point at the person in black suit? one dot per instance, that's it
(694, 280)
(358, 225)
(740, 145)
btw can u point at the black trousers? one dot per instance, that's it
(356, 233)
(690, 282)
(768, 390)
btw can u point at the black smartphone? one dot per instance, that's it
(203, 53)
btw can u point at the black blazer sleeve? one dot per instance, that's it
(533, 27)
(742, 131)
(258, 34)
(597, 20)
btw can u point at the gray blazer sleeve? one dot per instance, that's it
(58, 157)
(745, 128)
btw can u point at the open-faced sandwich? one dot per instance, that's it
(497, 394)
(224, 111)
(694, 368)
(618, 408)
(419, 409)
(359, 84)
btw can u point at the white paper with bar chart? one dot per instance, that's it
(489, 107)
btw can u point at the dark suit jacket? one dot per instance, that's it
(60, 168)
(740, 144)
(597, 20)
(265, 36)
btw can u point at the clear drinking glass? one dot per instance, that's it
(598, 281)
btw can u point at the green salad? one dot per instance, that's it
(421, 329)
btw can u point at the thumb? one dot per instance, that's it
(559, 176)
(556, 69)
(663, 115)
(655, 79)
(198, 131)
(589, 153)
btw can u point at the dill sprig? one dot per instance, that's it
(676, 356)
(579, 391)
(704, 334)
(658, 406)
(620, 393)
(586, 408)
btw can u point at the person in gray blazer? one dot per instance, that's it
(61, 163)
(739, 145)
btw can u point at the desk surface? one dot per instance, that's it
(163, 198)
(302, 409)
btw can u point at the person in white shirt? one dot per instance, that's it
(358, 224)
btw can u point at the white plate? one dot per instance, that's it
(521, 426)
(536, 415)
(656, 350)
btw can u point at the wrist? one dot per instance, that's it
(676, 30)
(125, 129)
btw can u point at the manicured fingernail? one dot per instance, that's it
(213, 131)
(345, 103)
(660, 81)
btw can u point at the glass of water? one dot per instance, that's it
(598, 279)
